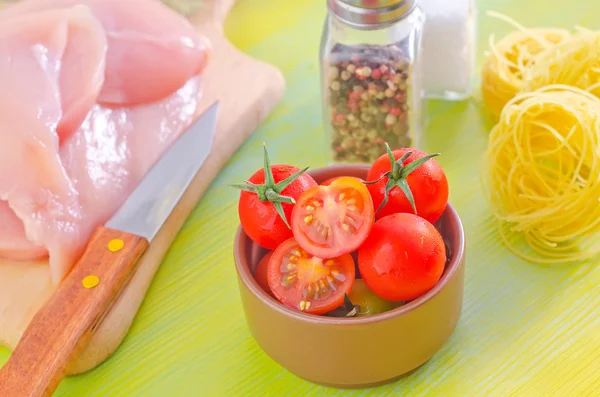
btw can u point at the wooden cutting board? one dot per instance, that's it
(248, 90)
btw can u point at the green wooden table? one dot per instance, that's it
(525, 330)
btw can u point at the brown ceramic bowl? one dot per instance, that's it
(354, 352)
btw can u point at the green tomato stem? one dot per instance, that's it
(398, 174)
(270, 191)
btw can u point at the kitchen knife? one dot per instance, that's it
(65, 323)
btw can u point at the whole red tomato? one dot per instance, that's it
(260, 273)
(267, 200)
(403, 257)
(415, 178)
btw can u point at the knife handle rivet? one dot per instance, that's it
(115, 245)
(90, 281)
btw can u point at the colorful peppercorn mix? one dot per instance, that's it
(367, 91)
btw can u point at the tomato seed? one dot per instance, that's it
(331, 283)
(318, 292)
(307, 291)
(286, 267)
(338, 276)
(312, 291)
(350, 220)
(320, 227)
(286, 281)
(308, 219)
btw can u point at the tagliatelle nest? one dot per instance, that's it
(541, 174)
(506, 66)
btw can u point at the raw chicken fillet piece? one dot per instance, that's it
(94, 92)
(152, 51)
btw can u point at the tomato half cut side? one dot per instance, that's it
(329, 221)
(308, 283)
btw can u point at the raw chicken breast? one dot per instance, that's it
(82, 70)
(33, 180)
(108, 156)
(69, 44)
(105, 159)
(13, 242)
(152, 50)
(68, 160)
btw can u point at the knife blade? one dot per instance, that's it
(146, 209)
(63, 326)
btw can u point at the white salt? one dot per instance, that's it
(448, 48)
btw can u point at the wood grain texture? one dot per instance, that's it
(525, 330)
(65, 323)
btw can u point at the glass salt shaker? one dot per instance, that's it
(371, 78)
(449, 65)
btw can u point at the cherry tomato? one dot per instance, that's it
(328, 221)
(260, 273)
(328, 181)
(427, 183)
(308, 283)
(267, 200)
(369, 302)
(403, 257)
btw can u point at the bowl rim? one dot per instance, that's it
(245, 275)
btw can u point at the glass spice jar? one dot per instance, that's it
(371, 78)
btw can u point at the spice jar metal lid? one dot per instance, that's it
(374, 3)
(370, 13)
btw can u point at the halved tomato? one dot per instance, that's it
(308, 283)
(328, 221)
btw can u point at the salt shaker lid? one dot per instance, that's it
(370, 13)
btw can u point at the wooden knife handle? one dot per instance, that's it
(66, 322)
